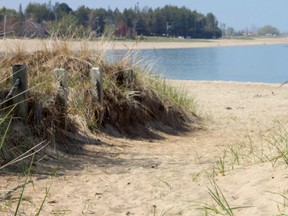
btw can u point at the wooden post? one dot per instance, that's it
(129, 78)
(60, 75)
(20, 95)
(96, 75)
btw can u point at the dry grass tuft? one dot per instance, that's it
(139, 109)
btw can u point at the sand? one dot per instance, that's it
(12, 45)
(202, 43)
(173, 175)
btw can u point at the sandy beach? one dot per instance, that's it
(238, 155)
(9, 45)
(202, 43)
(172, 176)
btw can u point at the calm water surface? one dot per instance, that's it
(267, 63)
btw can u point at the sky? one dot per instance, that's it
(239, 14)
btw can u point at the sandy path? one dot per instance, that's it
(171, 176)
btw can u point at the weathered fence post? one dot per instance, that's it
(96, 75)
(20, 95)
(60, 75)
(128, 78)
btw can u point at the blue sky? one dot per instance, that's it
(239, 14)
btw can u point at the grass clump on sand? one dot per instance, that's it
(139, 109)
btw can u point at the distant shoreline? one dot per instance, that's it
(31, 45)
(202, 43)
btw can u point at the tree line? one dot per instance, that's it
(46, 19)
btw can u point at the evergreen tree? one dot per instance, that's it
(169, 21)
(20, 13)
(39, 12)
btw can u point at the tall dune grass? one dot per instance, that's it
(138, 110)
(149, 102)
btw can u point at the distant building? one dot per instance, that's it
(27, 28)
(32, 29)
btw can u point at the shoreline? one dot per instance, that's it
(169, 80)
(31, 45)
(202, 43)
(187, 83)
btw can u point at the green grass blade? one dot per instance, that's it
(23, 187)
(5, 134)
(43, 201)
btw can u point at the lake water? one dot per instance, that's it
(267, 63)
